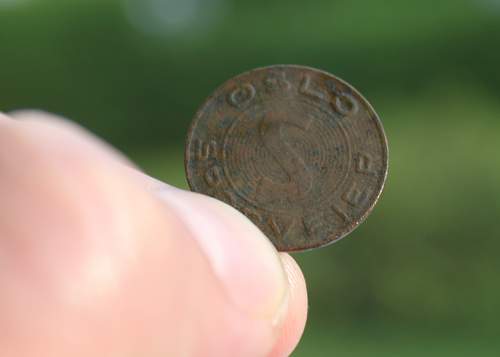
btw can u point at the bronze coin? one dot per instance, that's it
(297, 150)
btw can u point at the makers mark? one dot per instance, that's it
(364, 164)
(355, 196)
(241, 96)
(205, 150)
(307, 89)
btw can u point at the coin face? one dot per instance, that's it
(297, 150)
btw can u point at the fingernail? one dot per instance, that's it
(243, 259)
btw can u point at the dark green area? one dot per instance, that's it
(421, 276)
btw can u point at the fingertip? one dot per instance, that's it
(202, 214)
(240, 255)
(295, 320)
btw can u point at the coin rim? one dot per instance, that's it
(385, 146)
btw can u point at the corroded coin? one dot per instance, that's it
(297, 150)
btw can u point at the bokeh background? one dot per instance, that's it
(422, 276)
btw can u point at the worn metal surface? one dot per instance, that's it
(297, 150)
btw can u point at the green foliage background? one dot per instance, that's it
(421, 276)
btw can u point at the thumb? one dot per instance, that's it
(98, 259)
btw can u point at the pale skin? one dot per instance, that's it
(99, 259)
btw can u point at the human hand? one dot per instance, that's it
(98, 259)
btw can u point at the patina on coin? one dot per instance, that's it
(297, 150)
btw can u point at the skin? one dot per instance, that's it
(99, 259)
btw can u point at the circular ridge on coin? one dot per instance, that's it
(297, 150)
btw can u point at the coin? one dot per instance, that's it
(297, 150)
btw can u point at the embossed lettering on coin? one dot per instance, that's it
(298, 151)
(242, 95)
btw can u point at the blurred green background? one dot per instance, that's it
(421, 276)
